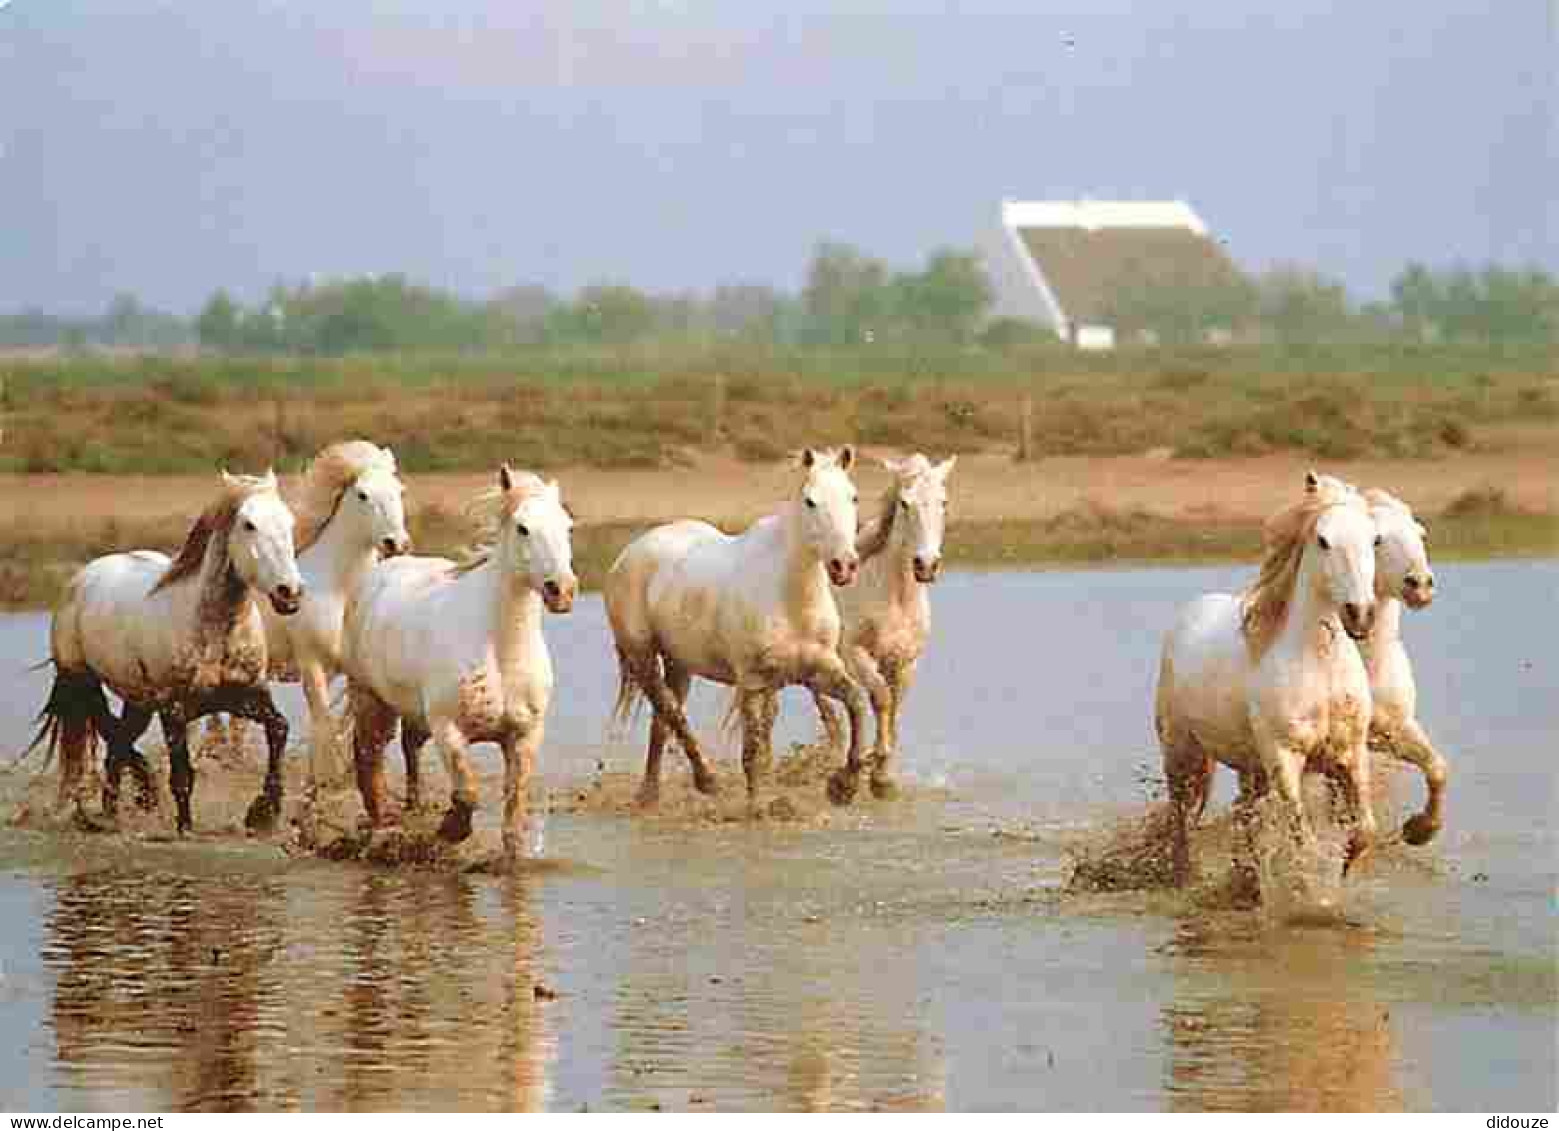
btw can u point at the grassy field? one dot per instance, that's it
(647, 407)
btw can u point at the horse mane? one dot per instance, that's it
(487, 513)
(874, 539)
(326, 480)
(215, 522)
(1285, 537)
(1379, 498)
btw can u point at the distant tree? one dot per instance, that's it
(519, 314)
(216, 326)
(609, 314)
(1297, 304)
(945, 302)
(747, 312)
(847, 298)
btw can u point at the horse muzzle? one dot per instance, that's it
(1357, 619)
(394, 547)
(1418, 593)
(842, 572)
(559, 598)
(287, 599)
(927, 572)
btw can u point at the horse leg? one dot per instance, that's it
(256, 703)
(316, 693)
(519, 757)
(678, 681)
(758, 708)
(1353, 778)
(648, 676)
(1187, 772)
(413, 738)
(452, 744)
(1246, 880)
(897, 676)
(868, 675)
(372, 724)
(831, 679)
(181, 774)
(131, 724)
(1413, 746)
(832, 720)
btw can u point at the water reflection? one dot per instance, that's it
(231, 994)
(1278, 1020)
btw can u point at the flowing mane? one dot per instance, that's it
(327, 478)
(216, 521)
(487, 513)
(1286, 536)
(874, 539)
(1379, 498)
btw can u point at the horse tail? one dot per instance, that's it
(630, 693)
(69, 726)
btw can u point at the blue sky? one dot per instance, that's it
(168, 148)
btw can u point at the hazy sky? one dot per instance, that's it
(168, 148)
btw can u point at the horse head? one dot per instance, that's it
(259, 542)
(921, 490)
(1401, 557)
(1343, 559)
(535, 537)
(376, 503)
(829, 514)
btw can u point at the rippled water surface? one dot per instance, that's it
(920, 954)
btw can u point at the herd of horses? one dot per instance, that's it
(454, 650)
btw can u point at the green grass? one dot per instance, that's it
(644, 406)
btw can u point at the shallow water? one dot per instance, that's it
(902, 956)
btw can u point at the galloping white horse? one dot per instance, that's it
(179, 639)
(887, 612)
(1264, 684)
(351, 512)
(752, 611)
(456, 651)
(1402, 577)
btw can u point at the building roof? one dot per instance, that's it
(1087, 252)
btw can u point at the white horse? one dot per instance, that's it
(887, 612)
(1402, 577)
(179, 639)
(752, 611)
(1264, 684)
(456, 652)
(351, 512)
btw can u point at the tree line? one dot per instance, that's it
(848, 298)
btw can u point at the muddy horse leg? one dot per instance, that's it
(647, 675)
(758, 708)
(181, 774)
(519, 757)
(413, 739)
(451, 741)
(256, 703)
(373, 722)
(122, 752)
(1413, 746)
(831, 679)
(1188, 772)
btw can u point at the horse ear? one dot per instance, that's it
(945, 468)
(893, 465)
(505, 478)
(808, 457)
(1312, 482)
(270, 477)
(227, 480)
(846, 458)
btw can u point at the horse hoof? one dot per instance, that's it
(842, 785)
(706, 783)
(1420, 829)
(263, 811)
(456, 825)
(884, 788)
(648, 797)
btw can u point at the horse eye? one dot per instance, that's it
(249, 525)
(1379, 541)
(522, 530)
(854, 499)
(362, 496)
(812, 503)
(904, 503)
(1324, 544)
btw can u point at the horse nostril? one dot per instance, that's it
(920, 563)
(551, 588)
(391, 546)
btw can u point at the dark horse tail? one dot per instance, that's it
(70, 725)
